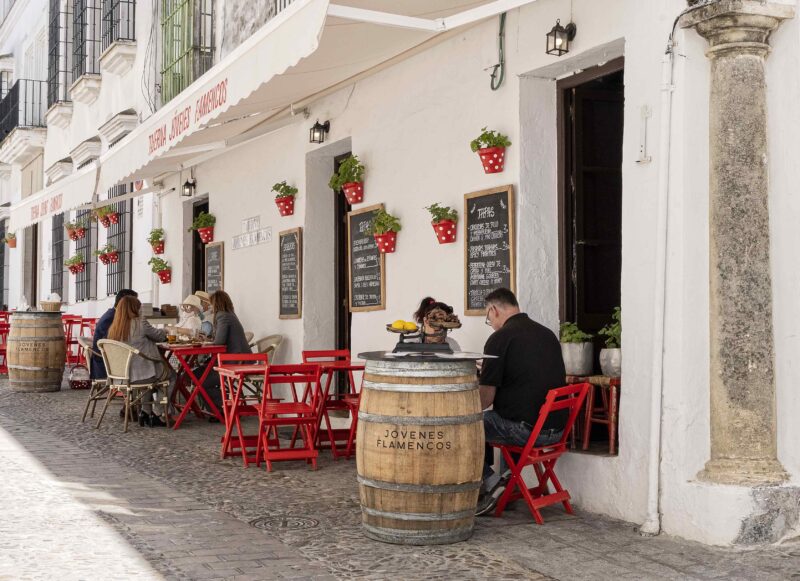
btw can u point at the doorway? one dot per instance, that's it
(198, 251)
(344, 317)
(590, 110)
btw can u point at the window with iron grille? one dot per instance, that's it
(57, 260)
(187, 31)
(3, 268)
(86, 37)
(84, 289)
(6, 79)
(59, 57)
(118, 275)
(119, 21)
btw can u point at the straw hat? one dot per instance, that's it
(203, 295)
(193, 301)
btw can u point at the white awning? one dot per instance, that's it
(66, 194)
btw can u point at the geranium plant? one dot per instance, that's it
(158, 264)
(284, 190)
(384, 222)
(489, 138)
(491, 148)
(203, 220)
(613, 331)
(156, 235)
(350, 180)
(11, 239)
(441, 213)
(75, 260)
(444, 219)
(570, 333)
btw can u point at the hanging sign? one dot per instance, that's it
(290, 253)
(366, 266)
(215, 266)
(489, 247)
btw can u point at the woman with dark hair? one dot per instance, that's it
(430, 306)
(228, 331)
(130, 328)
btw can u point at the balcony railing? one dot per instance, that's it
(187, 29)
(119, 21)
(25, 105)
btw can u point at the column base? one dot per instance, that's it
(744, 472)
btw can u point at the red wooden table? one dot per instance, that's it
(235, 405)
(348, 402)
(187, 355)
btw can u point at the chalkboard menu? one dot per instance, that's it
(489, 247)
(290, 245)
(215, 266)
(366, 274)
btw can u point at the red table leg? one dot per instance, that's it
(198, 388)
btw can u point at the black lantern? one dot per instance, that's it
(317, 133)
(189, 187)
(559, 37)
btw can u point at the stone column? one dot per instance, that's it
(743, 430)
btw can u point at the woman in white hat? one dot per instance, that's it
(206, 317)
(190, 322)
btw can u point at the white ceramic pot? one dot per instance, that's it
(611, 362)
(577, 358)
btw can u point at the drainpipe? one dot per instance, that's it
(652, 525)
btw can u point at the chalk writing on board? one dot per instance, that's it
(290, 255)
(214, 266)
(366, 263)
(489, 250)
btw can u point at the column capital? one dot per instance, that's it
(739, 26)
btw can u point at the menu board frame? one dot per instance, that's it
(221, 245)
(299, 313)
(512, 254)
(381, 258)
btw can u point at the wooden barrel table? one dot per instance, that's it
(35, 351)
(419, 449)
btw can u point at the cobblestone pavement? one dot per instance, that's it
(163, 505)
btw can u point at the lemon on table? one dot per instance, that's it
(410, 327)
(399, 324)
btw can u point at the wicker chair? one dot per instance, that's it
(98, 389)
(117, 357)
(248, 335)
(268, 345)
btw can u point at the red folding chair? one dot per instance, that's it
(542, 459)
(332, 362)
(234, 370)
(72, 330)
(302, 414)
(4, 329)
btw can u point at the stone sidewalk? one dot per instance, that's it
(93, 504)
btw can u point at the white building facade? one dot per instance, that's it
(610, 166)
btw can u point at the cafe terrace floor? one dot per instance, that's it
(79, 503)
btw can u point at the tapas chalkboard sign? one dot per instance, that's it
(489, 247)
(290, 245)
(215, 266)
(366, 271)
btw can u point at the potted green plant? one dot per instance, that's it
(106, 216)
(11, 239)
(284, 197)
(350, 180)
(491, 147)
(156, 240)
(161, 268)
(384, 228)
(75, 230)
(611, 356)
(443, 220)
(107, 254)
(576, 349)
(204, 225)
(76, 263)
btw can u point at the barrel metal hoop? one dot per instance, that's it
(426, 488)
(421, 516)
(421, 420)
(415, 388)
(31, 368)
(418, 537)
(15, 338)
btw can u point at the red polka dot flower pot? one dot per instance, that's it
(445, 231)
(206, 234)
(285, 205)
(77, 268)
(113, 218)
(103, 258)
(354, 192)
(113, 257)
(165, 276)
(387, 242)
(493, 159)
(105, 221)
(158, 247)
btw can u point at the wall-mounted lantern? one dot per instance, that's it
(317, 132)
(189, 187)
(559, 37)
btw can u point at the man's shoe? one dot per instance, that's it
(155, 421)
(144, 419)
(486, 504)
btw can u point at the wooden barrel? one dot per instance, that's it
(419, 450)
(36, 351)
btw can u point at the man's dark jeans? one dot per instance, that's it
(502, 431)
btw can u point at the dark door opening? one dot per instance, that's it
(198, 252)
(343, 315)
(590, 203)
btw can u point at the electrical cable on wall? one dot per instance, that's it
(499, 70)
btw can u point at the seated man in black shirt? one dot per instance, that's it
(527, 364)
